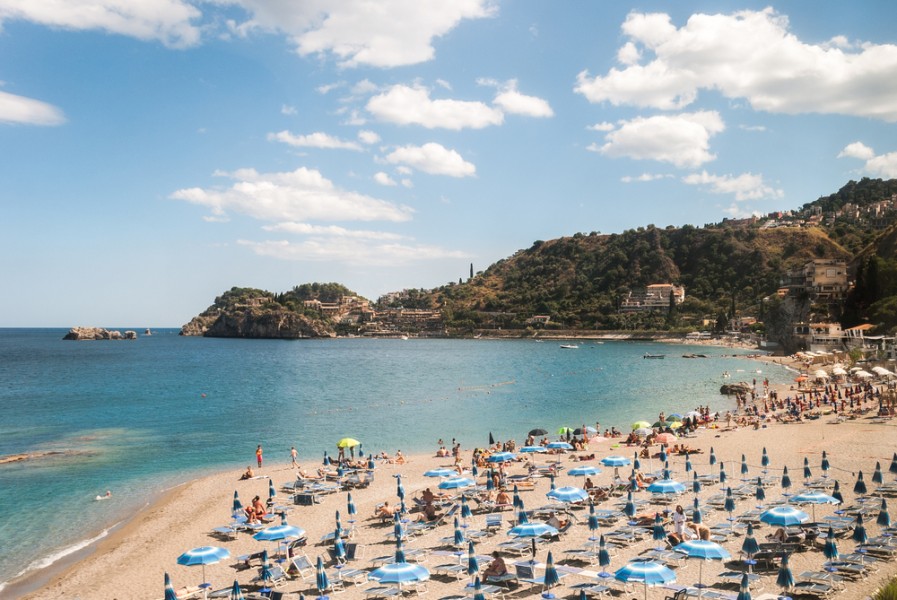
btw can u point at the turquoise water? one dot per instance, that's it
(138, 416)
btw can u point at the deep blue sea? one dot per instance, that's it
(139, 416)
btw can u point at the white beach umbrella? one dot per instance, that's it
(863, 374)
(820, 374)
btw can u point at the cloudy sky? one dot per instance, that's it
(158, 152)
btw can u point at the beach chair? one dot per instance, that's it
(277, 579)
(301, 566)
(812, 588)
(526, 574)
(493, 523)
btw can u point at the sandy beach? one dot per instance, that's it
(131, 562)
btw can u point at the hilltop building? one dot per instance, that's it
(654, 297)
(822, 280)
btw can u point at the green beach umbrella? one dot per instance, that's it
(640, 425)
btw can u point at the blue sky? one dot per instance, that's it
(159, 152)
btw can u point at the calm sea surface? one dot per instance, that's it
(138, 416)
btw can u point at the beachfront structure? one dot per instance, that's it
(654, 297)
(822, 280)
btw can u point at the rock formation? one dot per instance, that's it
(97, 333)
(258, 323)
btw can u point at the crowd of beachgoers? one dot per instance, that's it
(794, 480)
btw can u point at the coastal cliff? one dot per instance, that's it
(261, 324)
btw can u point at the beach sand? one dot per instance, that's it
(130, 563)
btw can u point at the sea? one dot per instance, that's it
(138, 417)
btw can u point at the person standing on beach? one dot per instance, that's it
(293, 455)
(258, 455)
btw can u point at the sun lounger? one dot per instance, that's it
(382, 591)
(277, 577)
(821, 590)
(591, 589)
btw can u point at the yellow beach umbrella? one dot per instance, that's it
(675, 425)
(347, 443)
(641, 425)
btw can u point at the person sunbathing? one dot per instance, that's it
(248, 474)
(503, 499)
(304, 474)
(497, 567)
(430, 513)
(558, 523)
(384, 511)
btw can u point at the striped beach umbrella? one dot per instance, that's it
(760, 493)
(532, 530)
(500, 457)
(784, 516)
(204, 555)
(397, 528)
(729, 504)
(237, 507)
(744, 465)
(478, 590)
(877, 477)
(169, 589)
(860, 486)
(551, 578)
(859, 531)
(440, 472)
(456, 483)
(593, 519)
(744, 590)
(400, 489)
(824, 465)
(663, 453)
(688, 466)
(473, 566)
(636, 462)
(696, 516)
(321, 581)
(667, 471)
(703, 550)
(836, 491)
(764, 460)
(813, 498)
(465, 509)
(666, 486)
(696, 484)
(235, 592)
(516, 501)
(893, 467)
(559, 446)
(265, 572)
(629, 508)
(326, 459)
(712, 456)
(830, 549)
(551, 485)
(474, 470)
(350, 506)
(750, 546)
(603, 556)
(807, 472)
(646, 572)
(371, 464)
(884, 517)
(658, 533)
(722, 473)
(568, 494)
(458, 537)
(339, 547)
(521, 517)
(785, 578)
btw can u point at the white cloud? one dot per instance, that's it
(406, 105)
(300, 195)
(629, 54)
(329, 87)
(402, 169)
(384, 179)
(351, 251)
(645, 177)
(512, 101)
(857, 150)
(746, 186)
(368, 137)
(355, 119)
(751, 55)
(681, 140)
(758, 128)
(313, 140)
(603, 126)
(290, 111)
(331, 230)
(877, 165)
(28, 111)
(168, 21)
(385, 33)
(432, 158)
(407, 183)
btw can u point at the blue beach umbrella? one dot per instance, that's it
(836, 491)
(559, 446)
(722, 473)
(326, 459)
(667, 471)
(629, 508)
(884, 517)
(666, 486)
(784, 516)
(704, 550)
(568, 494)
(807, 472)
(859, 531)
(744, 590)
(518, 503)
(663, 453)
(473, 566)
(551, 483)
(400, 489)
(744, 466)
(646, 572)
(893, 467)
(465, 508)
(593, 519)
(784, 578)
(458, 538)
(490, 485)
(712, 457)
(440, 472)
(877, 476)
(272, 493)
(400, 572)
(860, 486)
(729, 505)
(636, 463)
(764, 460)
(533, 449)
(522, 519)
(339, 525)
(235, 592)
(474, 470)
(204, 555)
(280, 532)
(830, 549)
(237, 507)
(750, 546)
(532, 530)
(760, 493)
(603, 555)
(658, 533)
(786, 480)
(824, 465)
(265, 571)
(397, 528)
(551, 578)
(321, 581)
(499, 457)
(688, 466)
(339, 548)
(350, 506)
(696, 484)
(584, 471)
(478, 590)
(696, 515)
(455, 483)
(371, 464)
(169, 589)
(814, 498)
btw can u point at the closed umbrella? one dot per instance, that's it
(784, 578)
(688, 466)
(204, 555)
(265, 572)
(893, 467)
(629, 508)
(371, 464)
(830, 549)
(877, 476)
(458, 537)
(696, 484)
(398, 529)
(465, 509)
(400, 489)
(836, 491)
(646, 572)
(824, 465)
(712, 457)
(786, 481)
(704, 550)
(658, 533)
(473, 566)
(750, 546)
(339, 547)
(696, 516)
(169, 589)
(326, 459)
(593, 521)
(478, 590)
(235, 592)
(636, 463)
(490, 485)
(744, 590)
(859, 531)
(744, 466)
(237, 507)
(764, 460)
(662, 455)
(603, 556)
(884, 517)
(860, 486)
(321, 581)
(350, 507)
(807, 472)
(760, 493)
(722, 473)
(551, 578)
(518, 503)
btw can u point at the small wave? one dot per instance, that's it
(49, 560)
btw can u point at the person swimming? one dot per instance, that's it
(105, 496)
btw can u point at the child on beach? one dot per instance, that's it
(258, 455)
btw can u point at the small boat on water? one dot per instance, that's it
(569, 346)
(653, 355)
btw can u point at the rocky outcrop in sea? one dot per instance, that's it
(98, 333)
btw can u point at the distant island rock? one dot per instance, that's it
(98, 333)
